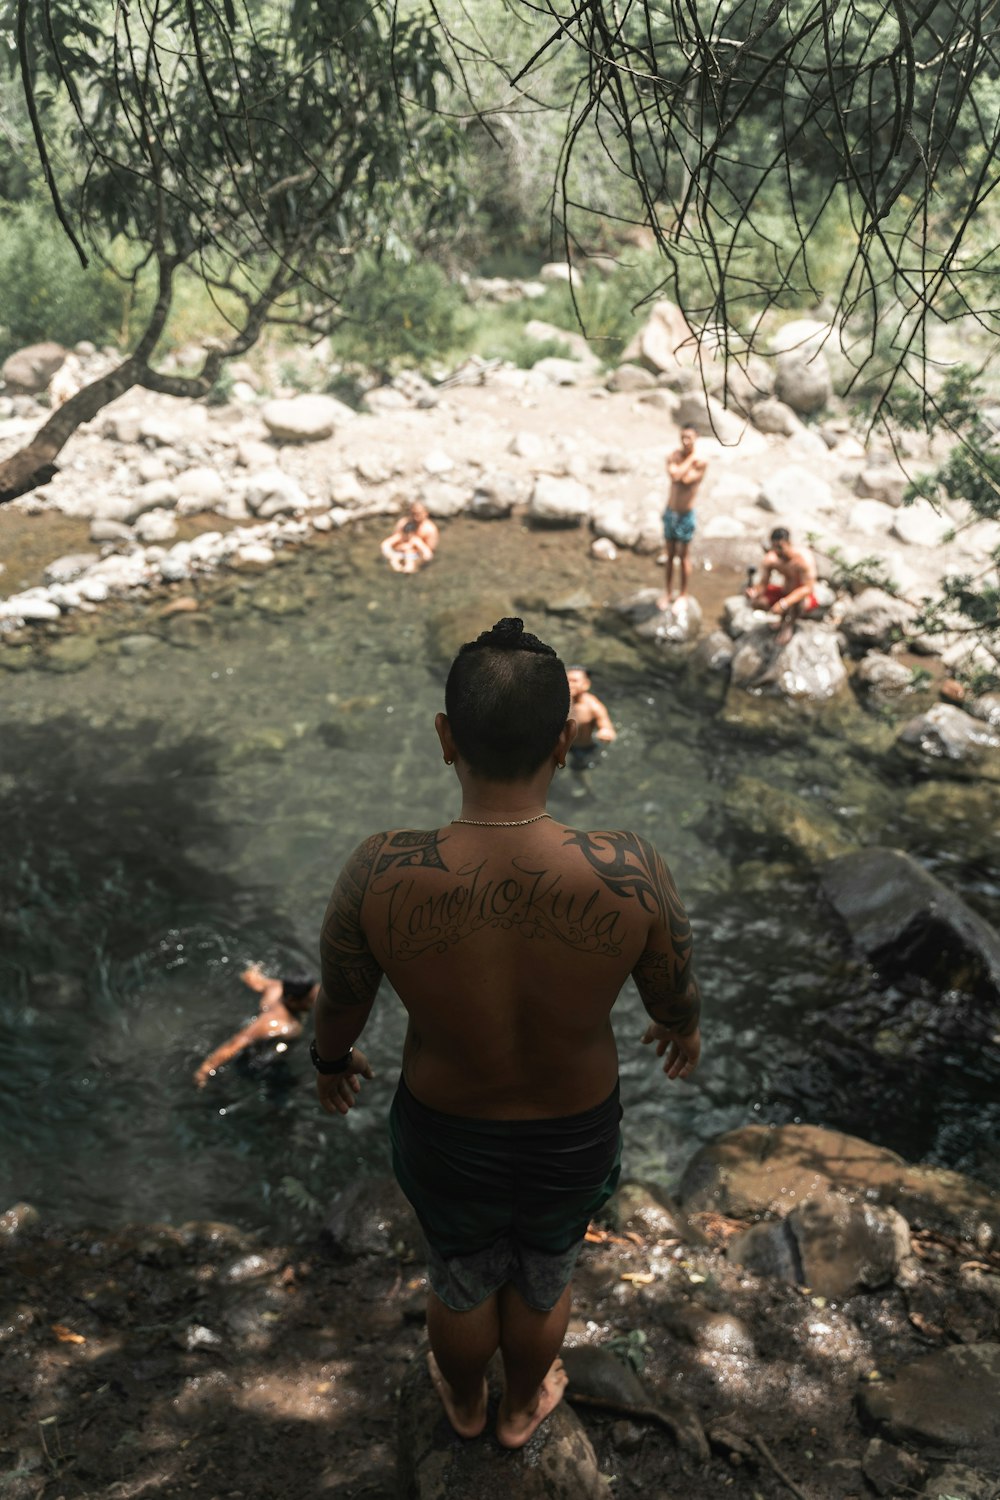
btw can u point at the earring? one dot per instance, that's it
(448, 762)
(560, 765)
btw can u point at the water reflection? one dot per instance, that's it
(164, 824)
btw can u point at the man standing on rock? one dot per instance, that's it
(794, 596)
(686, 470)
(507, 937)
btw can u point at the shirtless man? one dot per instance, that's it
(283, 1003)
(686, 471)
(593, 722)
(793, 597)
(413, 540)
(507, 937)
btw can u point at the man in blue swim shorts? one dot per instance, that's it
(507, 938)
(686, 470)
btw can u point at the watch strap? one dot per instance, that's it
(338, 1065)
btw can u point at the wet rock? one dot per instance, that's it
(956, 811)
(889, 1469)
(247, 1268)
(767, 1249)
(949, 1399)
(30, 369)
(573, 603)
(784, 820)
(448, 629)
(950, 737)
(277, 602)
(304, 419)
(559, 501)
(714, 653)
(137, 645)
(189, 631)
(264, 743)
(883, 679)
(679, 623)
(808, 668)
(18, 1222)
(846, 1247)
(904, 920)
(65, 569)
(371, 1217)
(496, 495)
(433, 1463)
(740, 616)
(761, 1169)
(70, 654)
(875, 619)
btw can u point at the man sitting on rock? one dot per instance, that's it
(793, 597)
(283, 1004)
(507, 937)
(413, 541)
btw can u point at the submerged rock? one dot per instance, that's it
(782, 819)
(904, 920)
(953, 739)
(372, 1217)
(832, 1245)
(808, 668)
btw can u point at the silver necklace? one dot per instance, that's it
(502, 822)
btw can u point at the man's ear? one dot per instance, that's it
(443, 730)
(566, 737)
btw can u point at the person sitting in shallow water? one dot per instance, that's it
(283, 1002)
(413, 541)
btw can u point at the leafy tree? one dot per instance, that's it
(259, 145)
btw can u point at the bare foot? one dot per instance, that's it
(468, 1421)
(664, 601)
(515, 1428)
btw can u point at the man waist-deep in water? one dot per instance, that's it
(507, 937)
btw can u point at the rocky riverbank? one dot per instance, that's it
(811, 1317)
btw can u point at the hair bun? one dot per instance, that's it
(508, 634)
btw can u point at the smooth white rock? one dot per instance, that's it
(920, 525)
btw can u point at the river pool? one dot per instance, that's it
(181, 807)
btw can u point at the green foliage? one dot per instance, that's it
(44, 291)
(630, 1348)
(296, 1192)
(397, 312)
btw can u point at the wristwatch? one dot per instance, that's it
(339, 1065)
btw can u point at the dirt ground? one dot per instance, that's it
(206, 1362)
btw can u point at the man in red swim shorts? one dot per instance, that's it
(795, 595)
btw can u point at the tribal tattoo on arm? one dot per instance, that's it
(664, 972)
(350, 972)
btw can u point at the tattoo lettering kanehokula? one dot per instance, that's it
(528, 898)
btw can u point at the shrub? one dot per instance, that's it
(44, 291)
(397, 313)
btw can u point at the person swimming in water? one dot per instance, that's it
(283, 1003)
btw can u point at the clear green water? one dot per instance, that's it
(166, 818)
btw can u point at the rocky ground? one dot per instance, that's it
(813, 1318)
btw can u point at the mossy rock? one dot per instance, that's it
(71, 653)
(786, 821)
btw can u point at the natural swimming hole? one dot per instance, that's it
(170, 814)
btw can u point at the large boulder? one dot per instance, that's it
(557, 501)
(29, 370)
(948, 1399)
(495, 496)
(442, 499)
(665, 344)
(557, 1463)
(829, 1243)
(903, 919)
(764, 1170)
(272, 492)
(947, 736)
(870, 518)
(775, 417)
(803, 336)
(876, 619)
(630, 378)
(675, 625)
(630, 522)
(803, 382)
(882, 482)
(808, 668)
(792, 491)
(304, 419)
(921, 525)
